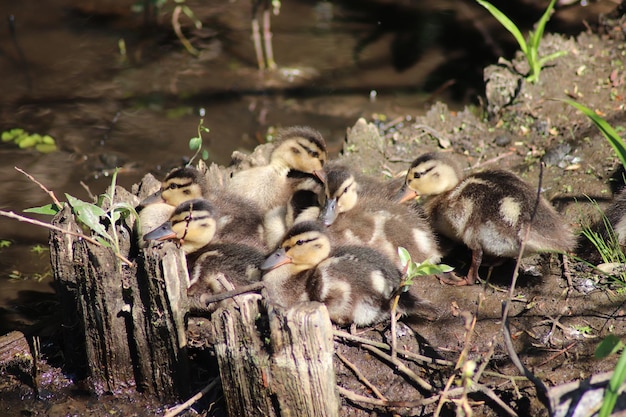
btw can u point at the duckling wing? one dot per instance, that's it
(355, 283)
(238, 264)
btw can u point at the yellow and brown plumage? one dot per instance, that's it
(490, 211)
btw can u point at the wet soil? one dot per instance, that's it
(561, 309)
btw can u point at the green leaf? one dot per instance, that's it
(88, 214)
(405, 256)
(507, 23)
(611, 135)
(195, 143)
(608, 346)
(551, 57)
(205, 154)
(48, 209)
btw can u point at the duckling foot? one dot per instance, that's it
(450, 278)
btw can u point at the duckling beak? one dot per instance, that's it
(321, 175)
(275, 259)
(405, 194)
(152, 199)
(329, 213)
(163, 232)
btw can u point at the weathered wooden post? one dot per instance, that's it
(124, 325)
(281, 369)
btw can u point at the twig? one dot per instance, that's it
(174, 411)
(489, 393)
(444, 395)
(12, 215)
(542, 390)
(360, 376)
(492, 160)
(233, 293)
(559, 353)
(400, 367)
(43, 187)
(409, 355)
(393, 404)
(485, 362)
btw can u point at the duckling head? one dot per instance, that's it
(430, 174)
(193, 223)
(304, 246)
(301, 149)
(341, 194)
(183, 184)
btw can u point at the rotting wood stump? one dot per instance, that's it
(124, 329)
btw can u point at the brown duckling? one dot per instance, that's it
(355, 283)
(240, 219)
(360, 211)
(214, 266)
(488, 211)
(301, 149)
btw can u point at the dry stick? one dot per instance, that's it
(392, 404)
(360, 376)
(409, 355)
(43, 187)
(12, 215)
(542, 390)
(172, 412)
(492, 160)
(489, 393)
(400, 367)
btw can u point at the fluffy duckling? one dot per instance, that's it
(355, 283)
(195, 223)
(303, 205)
(240, 219)
(361, 211)
(298, 148)
(488, 211)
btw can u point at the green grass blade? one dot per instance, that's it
(537, 35)
(611, 135)
(507, 23)
(612, 390)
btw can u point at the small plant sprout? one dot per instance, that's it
(195, 144)
(91, 215)
(411, 270)
(530, 47)
(611, 345)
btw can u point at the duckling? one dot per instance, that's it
(361, 211)
(240, 219)
(298, 148)
(195, 223)
(355, 283)
(488, 211)
(303, 205)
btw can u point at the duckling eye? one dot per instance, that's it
(300, 242)
(315, 154)
(417, 175)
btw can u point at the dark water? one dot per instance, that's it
(62, 74)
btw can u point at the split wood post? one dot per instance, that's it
(303, 374)
(123, 325)
(292, 376)
(243, 360)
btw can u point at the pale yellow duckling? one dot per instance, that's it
(298, 148)
(355, 283)
(240, 219)
(360, 210)
(488, 211)
(214, 266)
